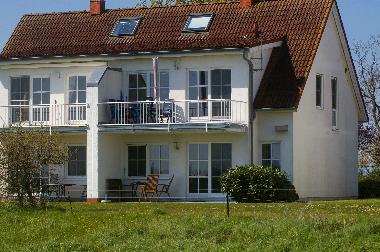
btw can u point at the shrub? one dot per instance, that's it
(258, 184)
(369, 188)
(23, 152)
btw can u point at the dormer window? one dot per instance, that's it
(198, 22)
(126, 27)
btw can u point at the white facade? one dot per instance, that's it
(319, 159)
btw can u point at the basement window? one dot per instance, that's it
(126, 27)
(198, 22)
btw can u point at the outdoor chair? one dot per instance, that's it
(167, 112)
(164, 188)
(114, 188)
(150, 110)
(150, 187)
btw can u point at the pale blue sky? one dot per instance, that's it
(361, 17)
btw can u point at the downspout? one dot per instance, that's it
(251, 116)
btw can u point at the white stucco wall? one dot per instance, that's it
(178, 68)
(325, 160)
(113, 155)
(265, 132)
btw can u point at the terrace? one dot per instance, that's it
(173, 114)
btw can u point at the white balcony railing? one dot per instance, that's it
(173, 112)
(53, 115)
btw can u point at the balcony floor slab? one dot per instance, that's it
(193, 127)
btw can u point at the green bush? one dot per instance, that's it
(369, 188)
(258, 184)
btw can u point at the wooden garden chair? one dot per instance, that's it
(150, 187)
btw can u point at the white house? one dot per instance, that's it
(265, 82)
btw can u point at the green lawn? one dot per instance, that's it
(315, 226)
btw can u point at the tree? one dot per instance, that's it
(23, 153)
(157, 3)
(367, 59)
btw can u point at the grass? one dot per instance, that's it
(315, 226)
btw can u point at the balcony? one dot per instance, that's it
(54, 115)
(173, 114)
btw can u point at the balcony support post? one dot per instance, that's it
(92, 145)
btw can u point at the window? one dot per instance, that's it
(220, 89)
(319, 91)
(163, 88)
(41, 98)
(20, 95)
(126, 27)
(198, 22)
(205, 170)
(159, 159)
(137, 161)
(334, 96)
(270, 155)
(77, 89)
(141, 86)
(198, 168)
(198, 90)
(76, 166)
(220, 86)
(77, 98)
(221, 161)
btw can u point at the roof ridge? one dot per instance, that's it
(132, 8)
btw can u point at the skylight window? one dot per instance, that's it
(198, 22)
(126, 27)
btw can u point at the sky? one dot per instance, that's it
(361, 18)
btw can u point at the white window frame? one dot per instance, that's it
(77, 90)
(335, 110)
(10, 100)
(67, 164)
(203, 28)
(150, 83)
(148, 169)
(209, 169)
(208, 70)
(322, 91)
(41, 110)
(271, 159)
(159, 159)
(208, 86)
(41, 91)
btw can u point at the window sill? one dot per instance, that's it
(75, 177)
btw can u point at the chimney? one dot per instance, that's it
(247, 3)
(97, 6)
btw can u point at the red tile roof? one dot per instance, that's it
(301, 22)
(279, 88)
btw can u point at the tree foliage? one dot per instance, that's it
(367, 59)
(23, 153)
